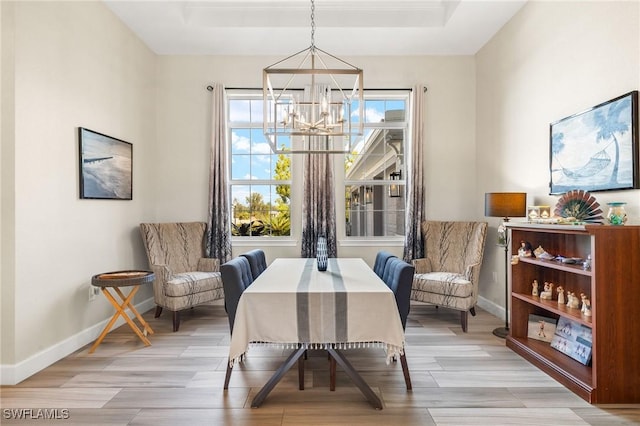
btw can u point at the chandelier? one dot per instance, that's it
(313, 102)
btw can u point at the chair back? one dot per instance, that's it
(177, 245)
(399, 278)
(236, 277)
(450, 246)
(257, 261)
(381, 260)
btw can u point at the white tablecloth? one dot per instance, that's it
(292, 303)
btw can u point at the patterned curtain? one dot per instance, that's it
(318, 207)
(218, 239)
(413, 248)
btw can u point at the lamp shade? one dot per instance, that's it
(505, 204)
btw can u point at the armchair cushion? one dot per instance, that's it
(448, 283)
(191, 282)
(422, 266)
(207, 264)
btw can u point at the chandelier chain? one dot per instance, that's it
(313, 23)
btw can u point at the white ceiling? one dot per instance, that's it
(347, 27)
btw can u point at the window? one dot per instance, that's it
(375, 169)
(260, 180)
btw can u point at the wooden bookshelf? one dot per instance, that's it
(613, 287)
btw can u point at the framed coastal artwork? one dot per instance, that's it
(106, 166)
(597, 149)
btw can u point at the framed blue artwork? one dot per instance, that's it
(597, 149)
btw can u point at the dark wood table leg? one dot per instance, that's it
(277, 376)
(355, 377)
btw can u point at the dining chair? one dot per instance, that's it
(400, 280)
(257, 261)
(236, 277)
(398, 276)
(381, 260)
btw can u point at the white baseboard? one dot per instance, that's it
(14, 374)
(491, 307)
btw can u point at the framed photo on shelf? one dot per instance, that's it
(597, 149)
(541, 328)
(106, 166)
(573, 339)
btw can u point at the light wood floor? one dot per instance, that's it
(458, 379)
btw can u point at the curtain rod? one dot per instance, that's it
(210, 88)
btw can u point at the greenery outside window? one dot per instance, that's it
(260, 180)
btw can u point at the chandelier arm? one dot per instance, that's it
(337, 59)
(308, 50)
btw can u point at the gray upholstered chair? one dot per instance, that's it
(236, 277)
(448, 274)
(184, 277)
(381, 260)
(257, 261)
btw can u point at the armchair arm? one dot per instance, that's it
(162, 272)
(472, 273)
(422, 266)
(207, 264)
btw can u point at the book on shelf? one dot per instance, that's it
(541, 328)
(573, 339)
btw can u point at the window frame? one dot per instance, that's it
(405, 125)
(295, 201)
(252, 125)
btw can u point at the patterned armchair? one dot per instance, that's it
(448, 274)
(184, 277)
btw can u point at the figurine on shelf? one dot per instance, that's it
(534, 288)
(548, 291)
(540, 253)
(586, 307)
(583, 306)
(525, 249)
(572, 300)
(560, 291)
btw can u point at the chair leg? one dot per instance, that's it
(332, 373)
(227, 377)
(176, 320)
(405, 371)
(464, 320)
(158, 311)
(301, 373)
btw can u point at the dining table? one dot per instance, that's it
(294, 305)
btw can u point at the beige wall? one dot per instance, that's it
(553, 59)
(183, 125)
(66, 65)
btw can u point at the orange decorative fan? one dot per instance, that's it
(580, 206)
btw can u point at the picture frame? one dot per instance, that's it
(106, 166)
(573, 339)
(541, 328)
(596, 149)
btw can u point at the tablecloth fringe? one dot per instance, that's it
(392, 351)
